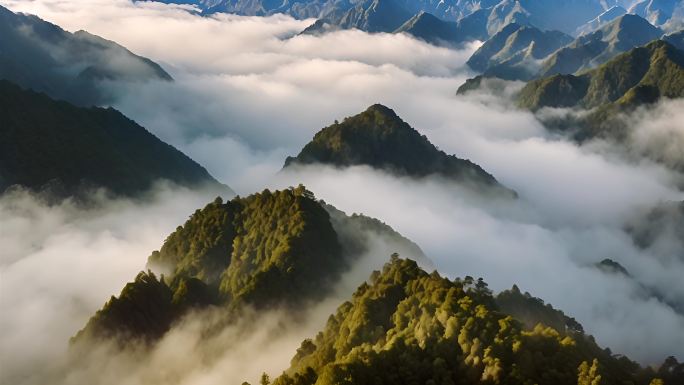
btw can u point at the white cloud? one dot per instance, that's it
(248, 92)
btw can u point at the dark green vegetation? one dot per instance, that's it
(609, 266)
(640, 76)
(64, 149)
(513, 52)
(531, 311)
(487, 84)
(69, 66)
(406, 326)
(279, 248)
(589, 51)
(378, 138)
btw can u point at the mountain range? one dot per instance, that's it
(282, 248)
(514, 52)
(64, 150)
(590, 50)
(454, 22)
(641, 76)
(601, 20)
(68, 66)
(379, 138)
(286, 249)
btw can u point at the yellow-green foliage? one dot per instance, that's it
(270, 248)
(409, 327)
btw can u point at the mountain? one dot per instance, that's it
(514, 52)
(588, 51)
(275, 248)
(432, 29)
(676, 39)
(656, 69)
(562, 15)
(657, 12)
(450, 10)
(662, 223)
(601, 20)
(609, 266)
(369, 16)
(69, 66)
(436, 31)
(358, 232)
(640, 76)
(407, 326)
(378, 138)
(531, 311)
(64, 149)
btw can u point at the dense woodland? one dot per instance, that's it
(379, 138)
(271, 248)
(406, 326)
(403, 326)
(53, 145)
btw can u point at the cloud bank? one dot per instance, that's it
(249, 92)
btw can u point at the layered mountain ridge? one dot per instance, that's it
(514, 52)
(589, 51)
(64, 150)
(39, 55)
(640, 76)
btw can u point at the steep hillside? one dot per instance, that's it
(657, 12)
(601, 20)
(562, 15)
(513, 53)
(302, 9)
(369, 16)
(432, 29)
(378, 138)
(69, 66)
(405, 326)
(274, 248)
(589, 51)
(676, 39)
(48, 144)
(639, 76)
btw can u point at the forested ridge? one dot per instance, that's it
(407, 326)
(379, 138)
(54, 145)
(271, 249)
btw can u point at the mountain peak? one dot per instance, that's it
(379, 138)
(629, 25)
(381, 109)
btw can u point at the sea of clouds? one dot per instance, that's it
(248, 92)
